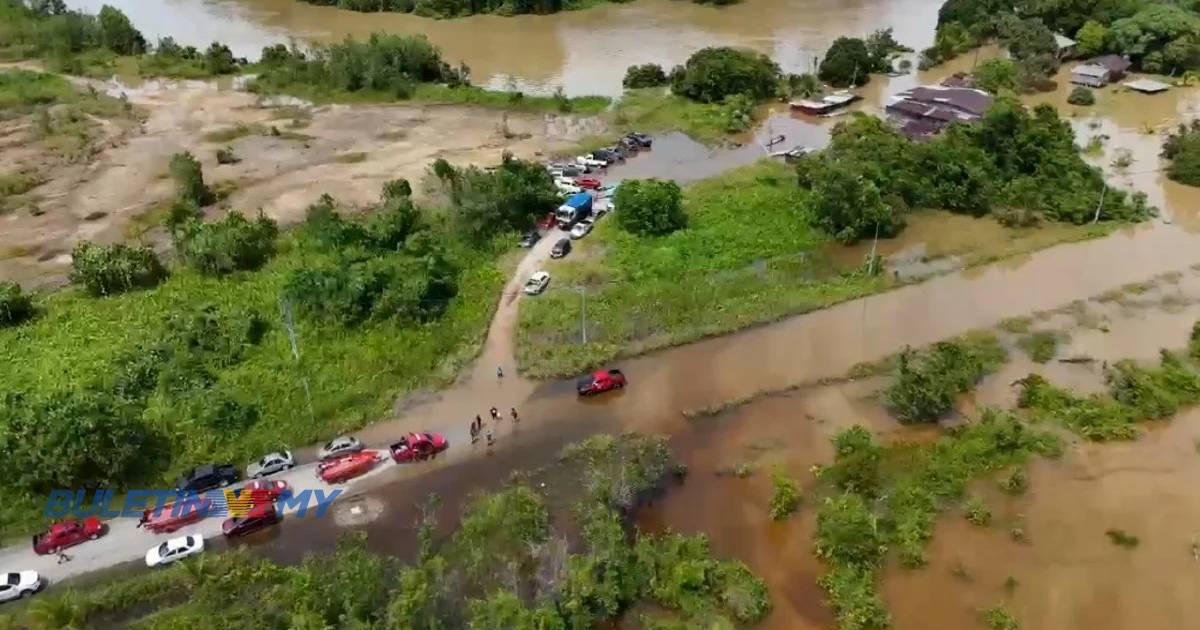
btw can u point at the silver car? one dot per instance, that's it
(270, 464)
(340, 446)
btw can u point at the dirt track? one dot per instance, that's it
(346, 151)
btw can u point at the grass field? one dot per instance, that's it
(353, 373)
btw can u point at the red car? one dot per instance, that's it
(588, 183)
(347, 467)
(170, 517)
(547, 222)
(263, 491)
(259, 517)
(418, 446)
(67, 534)
(600, 381)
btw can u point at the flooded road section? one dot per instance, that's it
(585, 52)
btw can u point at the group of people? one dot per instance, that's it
(478, 427)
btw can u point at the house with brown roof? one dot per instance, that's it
(926, 110)
(1100, 71)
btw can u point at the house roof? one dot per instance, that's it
(968, 100)
(1091, 70)
(1149, 86)
(1063, 41)
(1114, 63)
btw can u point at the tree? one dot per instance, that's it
(111, 269)
(189, 180)
(848, 206)
(231, 244)
(508, 198)
(1091, 38)
(1182, 148)
(994, 75)
(803, 85)
(856, 462)
(15, 306)
(644, 76)
(711, 74)
(397, 188)
(218, 59)
(848, 62)
(786, 497)
(1081, 96)
(118, 34)
(650, 207)
(927, 383)
(848, 533)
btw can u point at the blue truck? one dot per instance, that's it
(574, 209)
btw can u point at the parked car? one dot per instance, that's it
(205, 478)
(566, 188)
(418, 446)
(339, 446)
(582, 228)
(566, 169)
(561, 248)
(590, 161)
(588, 183)
(270, 464)
(537, 283)
(175, 515)
(641, 139)
(630, 144)
(547, 221)
(347, 467)
(67, 533)
(607, 191)
(530, 239)
(174, 550)
(18, 585)
(600, 381)
(260, 516)
(609, 155)
(263, 491)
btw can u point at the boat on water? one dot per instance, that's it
(825, 104)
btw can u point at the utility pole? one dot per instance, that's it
(285, 311)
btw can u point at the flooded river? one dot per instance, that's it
(584, 52)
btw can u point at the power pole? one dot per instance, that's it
(285, 311)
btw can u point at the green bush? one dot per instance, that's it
(1096, 417)
(848, 62)
(1041, 346)
(111, 269)
(1154, 393)
(997, 618)
(650, 207)
(509, 198)
(1081, 96)
(218, 59)
(711, 74)
(977, 511)
(856, 462)
(1182, 148)
(848, 533)
(996, 75)
(189, 180)
(1194, 341)
(231, 244)
(927, 383)
(227, 156)
(118, 34)
(15, 305)
(786, 497)
(851, 593)
(644, 76)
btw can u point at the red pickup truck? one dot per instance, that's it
(418, 446)
(600, 381)
(67, 534)
(171, 517)
(347, 467)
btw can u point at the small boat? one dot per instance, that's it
(774, 140)
(793, 153)
(825, 104)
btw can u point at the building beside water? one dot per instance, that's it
(926, 110)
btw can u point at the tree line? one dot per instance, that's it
(445, 9)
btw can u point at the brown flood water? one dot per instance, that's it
(584, 52)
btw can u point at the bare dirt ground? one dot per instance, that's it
(345, 151)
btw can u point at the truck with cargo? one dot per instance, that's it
(576, 207)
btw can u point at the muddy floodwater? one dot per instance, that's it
(585, 52)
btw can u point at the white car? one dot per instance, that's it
(537, 283)
(582, 228)
(270, 464)
(567, 188)
(174, 550)
(340, 446)
(590, 161)
(18, 585)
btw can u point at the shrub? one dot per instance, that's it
(786, 497)
(386, 63)
(1153, 393)
(1194, 341)
(848, 533)
(1081, 96)
(118, 34)
(111, 269)
(994, 75)
(997, 618)
(397, 188)
(375, 289)
(1095, 417)
(226, 156)
(231, 244)
(1182, 148)
(650, 207)
(1015, 483)
(1041, 346)
(856, 462)
(510, 197)
(711, 74)
(927, 383)
(189, 180)
(15, 306)
(1122, 538)
(851, 594)
(644, 76)
(218, 59)
(977, 511)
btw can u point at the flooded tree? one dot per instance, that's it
(644, 76)
(711, 74)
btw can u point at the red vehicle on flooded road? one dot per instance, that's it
(263, 491)
(259, 517)
(418, 447)
(67, 534)
(588, 183)
(347, 467)
(600, 381)
(174, 515)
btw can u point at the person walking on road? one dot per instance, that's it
(515, 417)
(495, 414)
(62, 557)
(474, 433)
(499, 372)
(490, 438)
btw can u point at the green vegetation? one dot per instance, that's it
(1095, 417)
(189, 181)
(1042, 345)
(927, 382)
(657, 110)
(850, 60)
(16, 306)
(1182, 148)
(508, 198)
(1021, 167)
(996, 75)
(446, 9)
(977, 511)
(504, 564)
(644, 76)
(650, 207)
(712, 75)
(1081, 96)
(786, 498)
(744, 257)
(197, 368)
(997, 618)
(910, 485)
(1122, 538)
